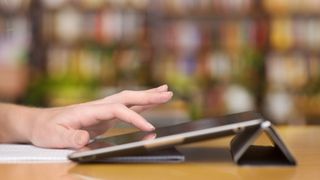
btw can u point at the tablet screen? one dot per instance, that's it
(171, 130)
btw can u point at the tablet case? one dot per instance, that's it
(242, 150)
(244, 153)
(169, 155)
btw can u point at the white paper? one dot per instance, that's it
(22, 153)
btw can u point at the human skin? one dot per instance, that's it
(74, 125)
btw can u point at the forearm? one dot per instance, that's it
(16, 123)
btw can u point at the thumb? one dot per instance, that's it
(74, 138)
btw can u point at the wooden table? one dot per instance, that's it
(205, 160)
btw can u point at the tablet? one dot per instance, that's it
(165, 137)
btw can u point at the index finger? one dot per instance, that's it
(145, 97)
(94, 114)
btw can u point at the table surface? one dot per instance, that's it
(205, 160)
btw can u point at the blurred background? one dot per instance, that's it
(218, 56)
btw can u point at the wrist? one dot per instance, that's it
(18, 123)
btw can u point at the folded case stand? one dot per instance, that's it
(245, 153)
(242, 150)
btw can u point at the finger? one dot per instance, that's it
(116, 99)
(140, 98)
(70, 138)
(125, 114)
(140, 109)
(162, 88)
(150, 136)
(99, 128)
(93, 114)
(126, 96)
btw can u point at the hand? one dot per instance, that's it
(73, 126)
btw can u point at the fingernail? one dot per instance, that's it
(163, 87)
(168, 94)
(150, 127)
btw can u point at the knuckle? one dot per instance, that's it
(122, 112)
(117, 108)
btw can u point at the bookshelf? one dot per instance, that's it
(217, 56)
(14, 47)
(292, 61)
